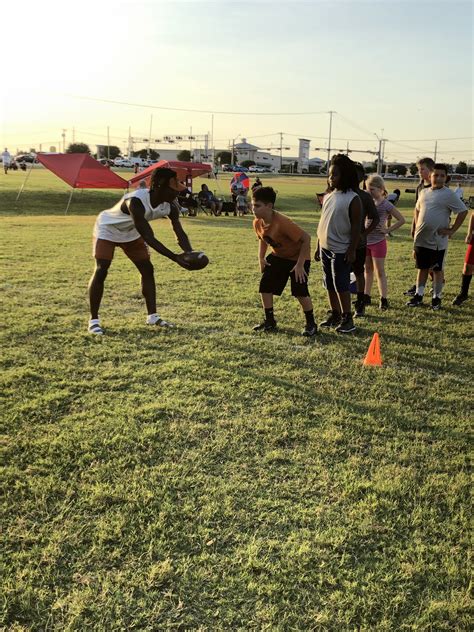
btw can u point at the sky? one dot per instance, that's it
(396, 69)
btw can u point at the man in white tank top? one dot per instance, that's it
(126, 225)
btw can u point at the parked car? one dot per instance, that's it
(390, 176)
(26, 158)
(239, 168)
(123, 162)
(106, 162)
(227, 168)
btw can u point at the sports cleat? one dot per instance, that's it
(156, 320)
(411, 291)
(383, 304)
(95, 328)
(267, 325)
(333, 319)
(460, 298)
(416, 301)
(359, 309)
(347, 325)
(436, 303)
(310, 330)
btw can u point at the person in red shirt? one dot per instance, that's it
(289, 259)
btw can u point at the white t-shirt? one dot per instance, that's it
(6, 157)
(115, 225)
(459, 192)
(435, 207)
(334, 228)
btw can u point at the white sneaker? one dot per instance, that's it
(95, 328)
(154, 319)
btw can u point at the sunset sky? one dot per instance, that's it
(401, 67)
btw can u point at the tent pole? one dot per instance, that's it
(24, 183)
(69, 202)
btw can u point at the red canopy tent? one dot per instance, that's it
(80, 171)
(185, 170)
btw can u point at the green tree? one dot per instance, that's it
(413, 169)
(109, 151)
(372, 168)
(399, 170)
(461, 167)
(78, 148)
(224, 157)
(184, 155)
(248, 163)
(143, 154)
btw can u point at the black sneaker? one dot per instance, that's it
(359, 309)
(310, 330)
(367, 300)
(416, 301)
(436, 303)
(460, 298)
(267, 325)
(347, 325)
(383, 304)
(333, 319)
(410, 292)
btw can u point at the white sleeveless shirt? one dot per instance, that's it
(334, 228)
(114, 225)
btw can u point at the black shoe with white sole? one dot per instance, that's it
(347, 325)
(267, 325)
(416, 301)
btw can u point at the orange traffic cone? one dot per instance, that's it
(373, 357)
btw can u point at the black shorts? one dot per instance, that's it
(427, 259)
(358, 266)
(276, 275)
(336, 271)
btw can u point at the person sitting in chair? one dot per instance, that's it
(208, 200)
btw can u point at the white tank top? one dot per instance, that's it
(114, 225)
(334, 228)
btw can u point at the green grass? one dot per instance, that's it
(211, 479)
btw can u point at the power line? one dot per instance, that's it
(161, 107)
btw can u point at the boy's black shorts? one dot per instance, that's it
(427, 259)
(276, 275)
(358, 266)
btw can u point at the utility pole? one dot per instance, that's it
(64, 140)
(435, 151)
(149, 138)
(331, 112)
(108, 142)
(281, 149)
(129, 142)
(232, 156)
(212, 140)
(73, 134)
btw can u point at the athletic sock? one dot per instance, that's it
(466, 280)
(152, 318)
(420, 290)
(269, 314)
(437, 288)
(309, 317)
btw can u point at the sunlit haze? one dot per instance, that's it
(398, 69)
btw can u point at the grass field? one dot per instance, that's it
(209, 478)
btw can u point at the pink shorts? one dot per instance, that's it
(469, 259)
(378, 250)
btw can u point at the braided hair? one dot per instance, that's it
(160, 177)
(347, 169)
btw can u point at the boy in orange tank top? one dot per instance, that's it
(289, 259)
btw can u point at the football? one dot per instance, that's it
(195, 260)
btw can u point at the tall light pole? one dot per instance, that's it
(331, 112)
(64, 140)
